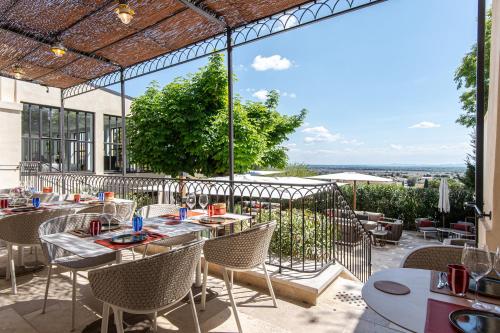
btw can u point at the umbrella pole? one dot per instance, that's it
(354, 196)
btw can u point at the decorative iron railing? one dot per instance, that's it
(316, 227)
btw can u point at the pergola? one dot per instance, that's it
(98, 50)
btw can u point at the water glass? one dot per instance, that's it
(478, 263)
(203, 201)
(109, 211)
(137, 223)
(191, 200)
(100, 196)
(183, 212)
(458, 279)
(36, 202)
(95, 227)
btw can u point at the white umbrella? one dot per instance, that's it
(353, 177)
(444, 197)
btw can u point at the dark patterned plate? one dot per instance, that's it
(129, 238)
(475, 321)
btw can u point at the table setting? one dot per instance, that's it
(465, 298)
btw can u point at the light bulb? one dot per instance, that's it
(18, 72)
(58, 49)
(124, 12)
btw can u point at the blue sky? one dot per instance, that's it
(377, 83)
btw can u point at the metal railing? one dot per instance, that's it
(315, 225)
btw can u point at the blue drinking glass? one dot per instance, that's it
(137, 223)
(100, 196)
(36, 202)
(183, 212)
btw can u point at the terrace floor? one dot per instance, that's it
(339, 309)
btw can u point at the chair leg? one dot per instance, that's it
(269, 285)
(47, 288)
(73, 302)
(118, 320)
(232, 278)
(155, 322)
(133, 254)
(7, 267)
(145, 251)
(12, 269)
(233, 303)
(195, 315)
(204, 287)
(105, 318)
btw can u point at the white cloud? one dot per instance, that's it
(289, 94)
(288, 21)
(261, 94)
(425, 124)
(396, 147)
(353, 142)
(274, 62)
(319, 134)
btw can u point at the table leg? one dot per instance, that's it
(20, 255)
(197, 281)
(118, 257)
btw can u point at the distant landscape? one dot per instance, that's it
(394, 170)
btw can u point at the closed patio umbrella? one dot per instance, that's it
(444, 198)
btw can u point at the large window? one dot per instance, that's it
(41, 139)
(112, 143)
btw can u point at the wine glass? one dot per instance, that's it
(108, 212)
(191, 200)
(496, 267)
(477, 261)
(203, 201)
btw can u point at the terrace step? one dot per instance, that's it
(297, 286)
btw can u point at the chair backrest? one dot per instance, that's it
(435, 258)
(243, 250)
(47, 197)
(125, 210)
(23, 228)
(151, 283)
(63, 224)
(158, 210)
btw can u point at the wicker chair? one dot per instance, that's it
(47, 197)
(435, 258)
(57, 256)
(22, 230)
(239, 252)
(124, 210)
(148, 285)
(164, 209)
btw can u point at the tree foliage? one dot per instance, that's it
(465, 78)
(183, 127)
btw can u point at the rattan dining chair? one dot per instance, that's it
(58, 257)
(124, 210)
(148, 285)
(21, 230)
(164, 209)
(239, 252)
(47, 197)
(436, 258)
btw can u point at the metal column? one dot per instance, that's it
(230, 116)
(481, 17)
(62, 149)
(124, 130)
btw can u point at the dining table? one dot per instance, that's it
(165, 226)
(408, 311)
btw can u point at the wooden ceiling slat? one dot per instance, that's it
(92, 28)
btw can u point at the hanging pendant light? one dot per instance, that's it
(58, 49)
(124, 12)
(18, 72)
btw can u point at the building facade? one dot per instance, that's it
(29, 130)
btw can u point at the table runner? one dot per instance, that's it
(438, 312)
(152, 237)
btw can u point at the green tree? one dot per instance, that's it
(183, 127)
(465, 78)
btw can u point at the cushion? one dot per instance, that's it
(388, 227)
(374, 216)
(460, 226)
(425, 224)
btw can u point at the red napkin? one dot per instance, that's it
(176, 215)
(152, 236)
(438, 316)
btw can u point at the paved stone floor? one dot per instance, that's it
(340, 308)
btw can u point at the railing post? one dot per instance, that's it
(230, 117)
(62, 154)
